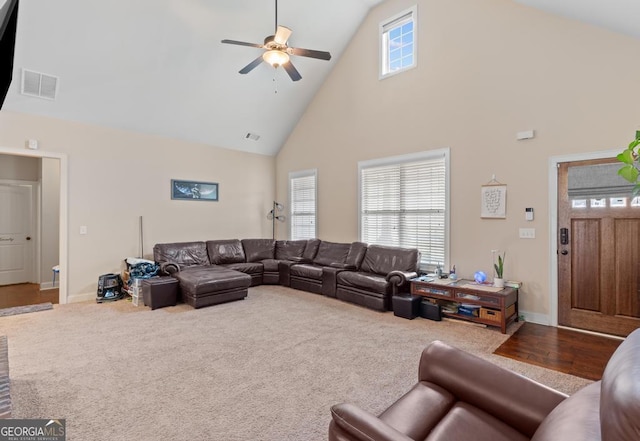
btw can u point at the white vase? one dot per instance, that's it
(498, 283)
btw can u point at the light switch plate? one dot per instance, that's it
(527, 233)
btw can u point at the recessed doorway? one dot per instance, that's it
(62, 237)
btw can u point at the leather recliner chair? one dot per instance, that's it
(462, 397)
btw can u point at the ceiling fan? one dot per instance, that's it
(277, 51)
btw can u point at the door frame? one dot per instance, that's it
(34, 246)
(64, 211)
(553, 221)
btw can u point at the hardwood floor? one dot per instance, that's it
(26, 294)
(572, 352)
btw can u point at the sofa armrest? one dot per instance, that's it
(399, 279)
(343, 266)
(284, 272)
(515, 399)
(169, 268)
(361, 425)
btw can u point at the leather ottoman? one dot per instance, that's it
(159, 292)
(406, 306)
(211, 285)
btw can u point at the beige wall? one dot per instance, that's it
(116, 176)
(50, 219)
(486, 70)
(19, 168)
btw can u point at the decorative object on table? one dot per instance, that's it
(631, 158)
(480, 277)
(194, 190)
(452, 273)
(498, 280)
(273, 216)
(493, 200)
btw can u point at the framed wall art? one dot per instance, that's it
(194, 190)
(493, 201)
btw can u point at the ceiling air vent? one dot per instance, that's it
(39, 85)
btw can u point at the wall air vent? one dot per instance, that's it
(252, 136)
(39, 85)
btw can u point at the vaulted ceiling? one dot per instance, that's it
(158, 67)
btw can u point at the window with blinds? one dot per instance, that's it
(403, 202)
(302, 203)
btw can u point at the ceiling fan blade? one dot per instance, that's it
(282, 35)
(249, 67)
(292, 71)
(241, 43)
(321, 55)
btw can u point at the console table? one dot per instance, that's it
(498, 307)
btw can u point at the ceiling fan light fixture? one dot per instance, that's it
(275, 57)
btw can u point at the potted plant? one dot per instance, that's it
(631, 158)
(498, 281)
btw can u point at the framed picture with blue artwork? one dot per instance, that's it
(194, 190)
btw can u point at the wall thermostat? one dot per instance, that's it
(528, 214)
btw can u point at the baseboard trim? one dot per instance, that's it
(535, 317)
(77, 298)
(48, 285)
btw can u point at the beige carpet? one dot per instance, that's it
(265, 368)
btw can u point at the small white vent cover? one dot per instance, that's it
(252, 136)
(39, 85)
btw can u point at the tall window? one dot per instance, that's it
(302, 202)
(404, 203)
(398, 43)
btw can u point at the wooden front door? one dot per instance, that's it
(598, 248)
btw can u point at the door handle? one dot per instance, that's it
(564, 252)
(28, 237)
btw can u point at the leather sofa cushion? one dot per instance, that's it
(365, 281)
(311, 249)
(331, 252)
(307, 271)
(382, 260)
(256, 250)
(247, 268)
(577, 417)
(620, 391)
(465, 422)
(286, 249)
(419, 410)
(270, 265)
(356, 254)
(185, 254)
(225, 251)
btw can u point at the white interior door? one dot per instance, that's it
(16, 250)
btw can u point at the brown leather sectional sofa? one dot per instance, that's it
(219, 271)
(460, 397)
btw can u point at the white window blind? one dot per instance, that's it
(404, 204)
(302, 200)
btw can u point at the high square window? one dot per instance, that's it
(398, 43)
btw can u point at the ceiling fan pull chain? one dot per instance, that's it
(275, 81)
